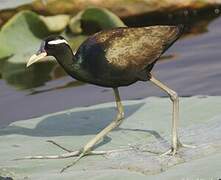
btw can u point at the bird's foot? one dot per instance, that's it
(69, 154)
(174, 148)
(59, 146)
(83, 153)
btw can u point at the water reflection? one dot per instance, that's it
(17, 75)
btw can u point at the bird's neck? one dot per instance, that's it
(67, 60)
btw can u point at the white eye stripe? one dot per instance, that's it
(58, 41)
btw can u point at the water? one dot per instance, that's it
(191, 67)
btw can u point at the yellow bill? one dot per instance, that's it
(35, 58)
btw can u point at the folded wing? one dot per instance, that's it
(137, 47)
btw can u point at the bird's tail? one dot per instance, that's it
(176, 33)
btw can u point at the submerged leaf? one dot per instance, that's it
(96, 18)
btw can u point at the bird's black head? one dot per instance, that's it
(53, 45)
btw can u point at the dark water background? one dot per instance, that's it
(192, 66)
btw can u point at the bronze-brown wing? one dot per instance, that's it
(122, 56)
(137, 48)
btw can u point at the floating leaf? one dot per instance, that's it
(4, 51)
(19, 38)
(21, 34)
(19, 76)
(56, 23)
(76, 41)
(96, 18)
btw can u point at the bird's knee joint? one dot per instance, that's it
(119, 118)
(174, 96)
(120, 115)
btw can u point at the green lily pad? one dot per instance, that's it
(97, 18)
(56, 23)
(19, 38)
(5, 50)
(141, 138)
(19, 76)
(75, 41)
(21, 34)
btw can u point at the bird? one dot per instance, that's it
(114, 58)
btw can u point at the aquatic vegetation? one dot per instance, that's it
(22, 34)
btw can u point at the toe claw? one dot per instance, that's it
(73, 163)
(166, 153)
(59, 146)
(173, 150)
(188, 146)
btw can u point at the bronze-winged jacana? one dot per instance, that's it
(114, 58)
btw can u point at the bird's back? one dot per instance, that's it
(121, 56)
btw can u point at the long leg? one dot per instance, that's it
(175, 100)
(87, 149)
(115, 123)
